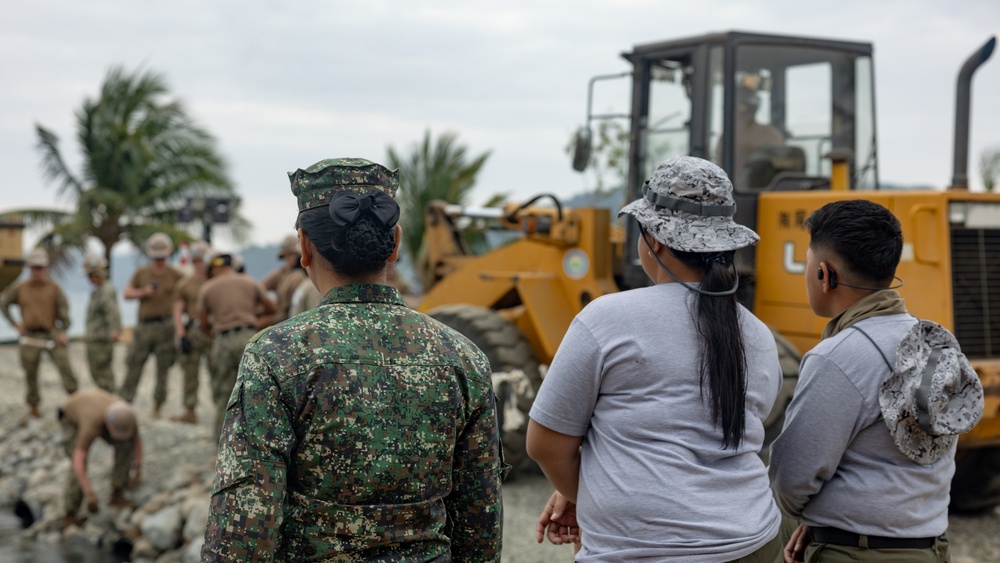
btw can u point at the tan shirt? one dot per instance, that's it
(230, 301)
(187, 291)
(85, 409)
(43, 305)
(161, 303)
(286, 288)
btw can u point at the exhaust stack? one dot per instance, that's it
(963, 101)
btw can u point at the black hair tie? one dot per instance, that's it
(718, 257)
(346, 207)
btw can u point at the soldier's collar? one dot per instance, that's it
(363, 293)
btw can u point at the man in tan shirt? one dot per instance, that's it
(42, 328)
(192, 342)
(285, 279)
(86, 416)
(154, 286)
(228, 305)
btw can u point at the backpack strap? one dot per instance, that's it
(880, 352)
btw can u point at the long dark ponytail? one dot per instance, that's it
(722, 353)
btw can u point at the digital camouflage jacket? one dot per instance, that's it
(360, 430)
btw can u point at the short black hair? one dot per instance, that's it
(864, 234)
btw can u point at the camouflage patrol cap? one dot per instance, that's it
(94, 264)
(688, 205)
(315, 185)
(38, 258)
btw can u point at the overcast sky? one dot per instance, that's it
(284, 86)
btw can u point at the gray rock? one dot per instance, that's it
(192, 553)
(163, 528)
(196, 517)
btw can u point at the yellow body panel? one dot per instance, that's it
(540, 282)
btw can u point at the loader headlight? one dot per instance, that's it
(957, 212)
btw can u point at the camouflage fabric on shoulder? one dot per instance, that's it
(360, 430)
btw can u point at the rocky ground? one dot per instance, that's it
(179, 461)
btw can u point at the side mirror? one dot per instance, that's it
(581, 148)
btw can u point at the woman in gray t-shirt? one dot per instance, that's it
(650, 417)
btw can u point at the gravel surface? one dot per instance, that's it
(169, 445)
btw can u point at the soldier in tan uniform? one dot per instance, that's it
(86, 416)
(154, 286)
(284, 280)
(43, 325)
(192, 342)
(228, 305)
(104, 323)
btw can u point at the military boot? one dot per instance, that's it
(118, 500)
(32, 413)
(156, 411)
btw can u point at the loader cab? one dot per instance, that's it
(766, 108)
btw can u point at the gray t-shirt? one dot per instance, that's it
(655, 483)
(835, 462)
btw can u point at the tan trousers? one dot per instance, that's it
(31, 358)
(100, 356)
(201, 347)
(150, 338)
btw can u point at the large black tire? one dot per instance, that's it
(509, 353)
(976, 484)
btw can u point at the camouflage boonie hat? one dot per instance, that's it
(933, 394)
(688, 205)
(315, 185)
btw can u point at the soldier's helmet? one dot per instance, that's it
(159, 245)
(120, 421)
(38, 258)
(200, 251)
(94, 264)
(289, 246)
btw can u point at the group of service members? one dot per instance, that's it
(210, 313)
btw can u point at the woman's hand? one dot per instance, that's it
(558, 521)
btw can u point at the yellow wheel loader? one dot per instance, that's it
(792, 121)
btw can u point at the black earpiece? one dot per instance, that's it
(834, 283)
(833, 276)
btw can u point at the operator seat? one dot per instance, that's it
(767, 162)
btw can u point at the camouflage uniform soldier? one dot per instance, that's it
(360, 430)
(193, 343)
(227, 305)
(284, 280)
(104, 323)
(154, 287)
(43, 326)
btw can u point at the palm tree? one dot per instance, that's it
(142, 158)
(434, 170)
